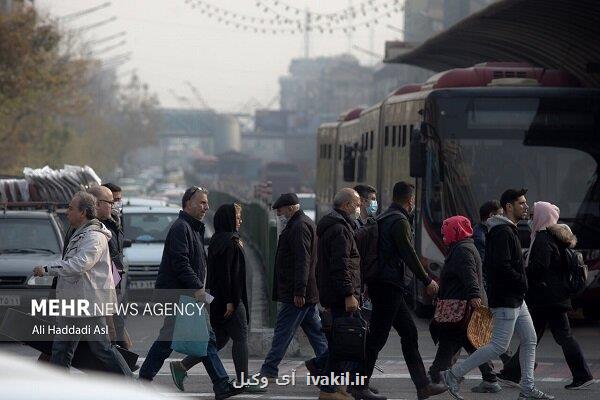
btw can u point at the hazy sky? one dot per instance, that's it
(172, 43)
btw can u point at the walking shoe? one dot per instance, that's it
(342, 390)
(333, 396)
(364, 393)
(311, 367)
(452, 384)
(535, 394)
(178, 373)
(254, 389)
(433, 389)
(508, 380)
(486, 387)
(577, 385)
(228, 392)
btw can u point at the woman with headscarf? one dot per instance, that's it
(461, 280)
(548, 297)
(226, 280)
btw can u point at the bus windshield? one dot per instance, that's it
(549, 146)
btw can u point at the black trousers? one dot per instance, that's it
(390, 310)
(448, 346)
(561, 331)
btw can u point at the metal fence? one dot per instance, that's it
(260, 231)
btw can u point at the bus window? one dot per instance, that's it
(371, 140)
(387, 136)
(403, 135)
(329, 151)
(349, 163)
(394, 136)
(340, 153)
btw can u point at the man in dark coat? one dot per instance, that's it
(294, 285)
(395, 253)
(507, 284)
(338, 271)
(183, 268)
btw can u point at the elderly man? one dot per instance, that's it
(338, 271)
(85, 273)
(104, 210)
(183, 268)
(295, 286)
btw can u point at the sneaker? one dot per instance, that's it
(577, 385)
(487, 387)
(535, 394)
(508, 380)
(178, 373)
(452, 383)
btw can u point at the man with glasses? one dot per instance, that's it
(183, 268)
(117, 195)
(105, 213)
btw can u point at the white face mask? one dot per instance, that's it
(283, 220)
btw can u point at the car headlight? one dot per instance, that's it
(40, 281)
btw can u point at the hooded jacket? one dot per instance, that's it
(85, 271)
(338, 265)
(226, 266)
(507, 282)
(548, 270)
(183, 264)
(296, 260)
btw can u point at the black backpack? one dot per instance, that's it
(367, 241)
(578, 271)
(367, 238)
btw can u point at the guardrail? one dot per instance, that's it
(261, 233)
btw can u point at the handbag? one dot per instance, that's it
(349, 337)
(451, 314)
(190, 334)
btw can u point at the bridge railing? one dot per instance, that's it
(260, 231)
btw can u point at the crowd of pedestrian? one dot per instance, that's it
(342, 282)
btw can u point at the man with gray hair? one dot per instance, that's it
(338, 269)
(85, 273)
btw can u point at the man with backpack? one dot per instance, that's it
(552, 268)
(507, 285)
(385, 277)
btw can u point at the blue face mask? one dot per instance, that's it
(372, 208)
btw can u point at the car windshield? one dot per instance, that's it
(537, 144)
(28, 235)
(148, 227)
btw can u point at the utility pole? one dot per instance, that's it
(307, 29)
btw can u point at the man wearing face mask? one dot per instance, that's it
(368, 203)
(396, 252)
(295, 286)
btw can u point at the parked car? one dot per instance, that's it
(27, 239)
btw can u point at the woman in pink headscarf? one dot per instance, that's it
(548, 297)
(461, 281)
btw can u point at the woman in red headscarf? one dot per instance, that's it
(461, 288)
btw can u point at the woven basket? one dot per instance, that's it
(480, 327)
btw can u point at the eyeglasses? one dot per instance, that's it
(196, 189)
(107, 201)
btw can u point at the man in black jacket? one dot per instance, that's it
(507, 286)
(395, 253)
(295, 286)
(183, 268)
(338, 270)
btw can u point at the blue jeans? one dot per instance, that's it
(507, 321)
(289, 319)
(161, 350)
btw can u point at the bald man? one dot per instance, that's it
(104, 208)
